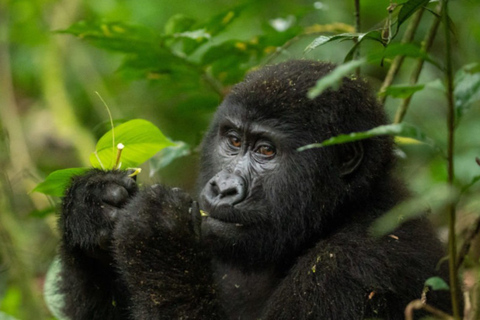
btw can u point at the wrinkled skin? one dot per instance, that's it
(275, 234)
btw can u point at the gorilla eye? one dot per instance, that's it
(266, 150)
(234, 141)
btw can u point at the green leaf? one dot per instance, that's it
(168, 155)
(408, 9)
(141, 140)
(467, 88)
(154, 65)
(334, 78)
(57, 181)
(373, 35)
(399, 129)
(437, 283)
(321, 40)
(114, 36)
(436, 198)
(53, 298)
(473, 182)
(401, 91)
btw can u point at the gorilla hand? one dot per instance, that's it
(90, 210)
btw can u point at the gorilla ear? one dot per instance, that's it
(350, 156)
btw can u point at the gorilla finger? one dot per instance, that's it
(115, 195)
(105, 239)
(130, 183)
(111, 213)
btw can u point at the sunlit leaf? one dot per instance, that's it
(141, 139)
(399, 129)
(437, 283)
(436, 199)
(334, 78)
(57, 181)
(408, 9)
(401, 91)
(168, 155)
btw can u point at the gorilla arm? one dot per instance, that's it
(89, 281)
(131, 252)
(352, 275)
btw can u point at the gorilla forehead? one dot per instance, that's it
(279, 92)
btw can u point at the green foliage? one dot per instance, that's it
(57, 181)
(187, 55)
(140, 140)
(334, 78)
(408, 9)
(400, 130)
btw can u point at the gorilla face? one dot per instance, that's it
(257, 189)
(264, 199)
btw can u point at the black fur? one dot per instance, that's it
(287, 232)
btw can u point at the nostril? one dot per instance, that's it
(225, 189)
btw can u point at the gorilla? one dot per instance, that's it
(275, 234)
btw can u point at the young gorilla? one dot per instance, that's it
(287, 232)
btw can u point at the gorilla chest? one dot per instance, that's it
(244, 294)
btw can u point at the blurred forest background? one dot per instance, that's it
(171, 62)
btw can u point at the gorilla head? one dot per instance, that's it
(265, 200)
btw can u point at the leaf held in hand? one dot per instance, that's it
(141, 140)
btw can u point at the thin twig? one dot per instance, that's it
(419, 305)
(468, 243)
(398, 61)
(426, 45)
(452, 246)
(357, 30)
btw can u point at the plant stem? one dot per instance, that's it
(419, 305)
(398, 61)
(426, 45)
(452, 246)
(357, 29)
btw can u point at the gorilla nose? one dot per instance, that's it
(225, 189)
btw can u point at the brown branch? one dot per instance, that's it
(426, 45)
(419, 305)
